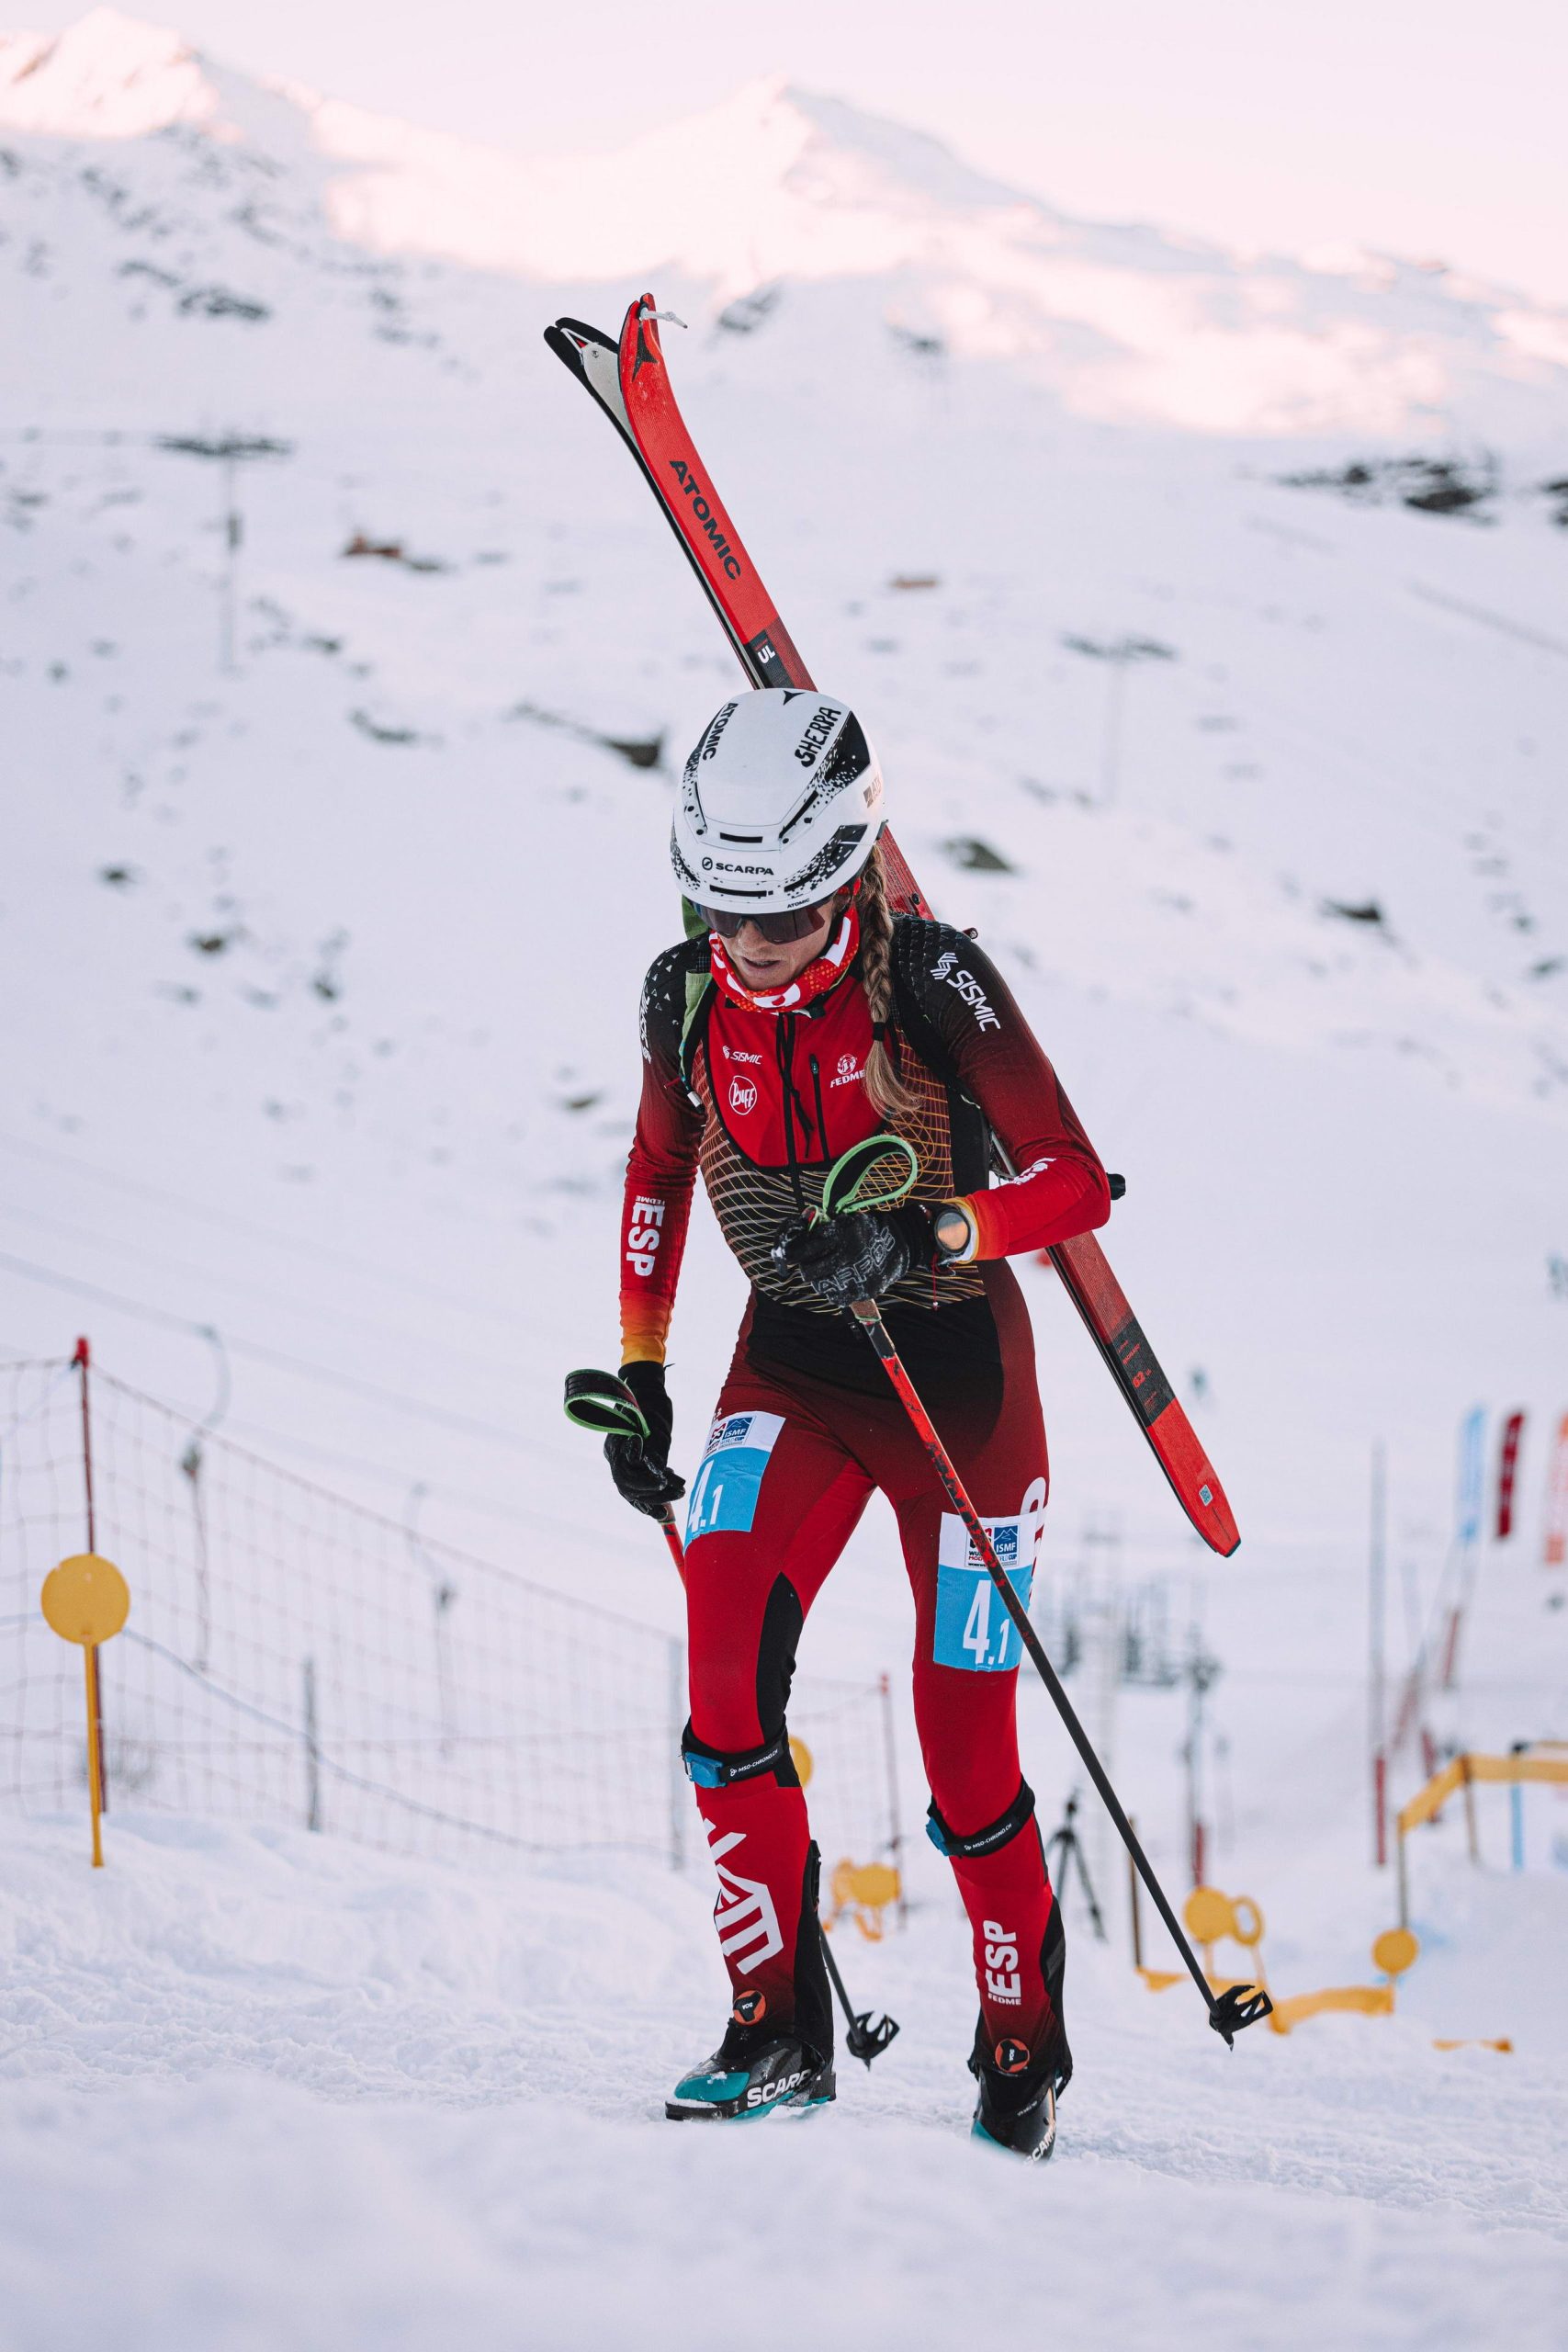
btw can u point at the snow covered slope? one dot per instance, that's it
(435, 2101)
(1210, 618)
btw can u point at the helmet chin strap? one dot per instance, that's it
(824, 972)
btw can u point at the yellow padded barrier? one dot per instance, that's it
(1430, 1801)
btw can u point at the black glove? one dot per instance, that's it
(640, 1465)
(859, 1255)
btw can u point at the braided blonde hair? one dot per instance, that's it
(885, 1091)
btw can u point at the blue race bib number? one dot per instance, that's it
(723, 1500)
(973, 1631)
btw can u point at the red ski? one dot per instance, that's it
(631, 384)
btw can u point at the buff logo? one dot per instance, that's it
(968, 987)
(642, 1235)
(742, 1094)
(818, 730)
(704, 516)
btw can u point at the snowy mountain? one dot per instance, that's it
(779, 186)
(1208, 613)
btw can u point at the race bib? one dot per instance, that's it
(973, 1629)
(723, 1500)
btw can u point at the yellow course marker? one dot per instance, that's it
(86, 1601)
(804, 1765)
(1246, 1922)
(864, 1891)
(1395, 1950)
(1208, 1914)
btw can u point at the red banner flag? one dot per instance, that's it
(1507, 1463)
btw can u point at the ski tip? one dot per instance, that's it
(571, 338)
(639, 344)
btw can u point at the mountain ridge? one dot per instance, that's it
(777, 185)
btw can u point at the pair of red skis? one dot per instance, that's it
(631, 384)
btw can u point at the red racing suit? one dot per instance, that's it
(807, 1428)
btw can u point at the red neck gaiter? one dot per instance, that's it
(824, 972)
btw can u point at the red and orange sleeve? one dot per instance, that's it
(660, 1171)
(1060, 1189)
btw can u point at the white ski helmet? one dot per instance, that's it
(781, 803)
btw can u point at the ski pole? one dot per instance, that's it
(860, 1181)
(601, 1402)
(863, 2039)
(1228, 2011)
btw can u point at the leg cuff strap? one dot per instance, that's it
(981, 1841)
(708, 1768)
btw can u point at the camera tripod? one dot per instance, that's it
(1067, 1837)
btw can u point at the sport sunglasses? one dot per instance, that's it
(777, 930)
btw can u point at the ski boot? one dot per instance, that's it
(754, 2070)
(1017, 2106)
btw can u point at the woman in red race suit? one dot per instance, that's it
(801, 1020)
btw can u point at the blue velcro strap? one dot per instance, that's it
(706, 1770)
(981, 1841)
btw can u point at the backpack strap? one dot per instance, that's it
(972, 1142)
(700, 993)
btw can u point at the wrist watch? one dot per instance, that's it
(954, 1234)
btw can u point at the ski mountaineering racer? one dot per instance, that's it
(802, 1019)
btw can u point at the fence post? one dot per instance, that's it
(676, 1685)
(894, 1819)
(1377, 1586)
(1470, 1830)
(82, 1359)
(312, 1751)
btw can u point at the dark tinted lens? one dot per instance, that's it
(777, 930)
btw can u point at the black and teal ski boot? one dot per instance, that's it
(755, 2070)
(1017, 2106)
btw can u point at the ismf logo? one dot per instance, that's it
(735, 1432)
(742, 1094)
(1004, 1543)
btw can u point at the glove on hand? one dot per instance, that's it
(640, 1465)
(860, 1255)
